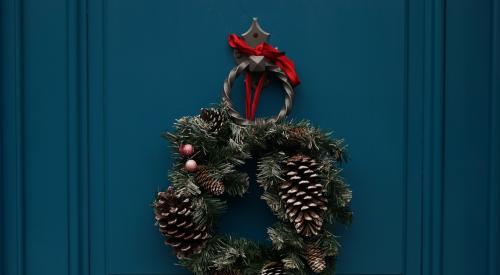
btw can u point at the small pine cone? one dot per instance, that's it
(208, 183)
(302, 194)
(214, 118)
(273, 268)
(315, 258)
(173, 213)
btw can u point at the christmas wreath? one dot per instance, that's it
(298, 167)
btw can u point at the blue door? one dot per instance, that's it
(88, 86)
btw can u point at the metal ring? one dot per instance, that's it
(235, 115)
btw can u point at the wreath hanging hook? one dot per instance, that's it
(255, 57)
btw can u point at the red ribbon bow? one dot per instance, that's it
(271, 54)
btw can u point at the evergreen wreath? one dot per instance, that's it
(298, 168)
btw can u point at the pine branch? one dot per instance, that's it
(269, 172)
(183, 183)
(236, 183)
(273, 201)
(285, 238)
(294, 264)
(207, 209)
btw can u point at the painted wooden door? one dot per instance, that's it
(88, 86)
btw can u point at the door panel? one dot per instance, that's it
(168, 59)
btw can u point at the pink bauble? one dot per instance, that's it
(187, 149)
(191, 165)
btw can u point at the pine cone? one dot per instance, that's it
(208, 183)
(273, 268)
(173, 215)
(315, 258)
(302, 194)
(214, 118)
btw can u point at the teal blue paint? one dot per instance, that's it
(468, 138)
(494, 231)
(12, 149)
(433, 131)
(88, 86)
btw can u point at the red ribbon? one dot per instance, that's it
(271, 54)
(251, 107)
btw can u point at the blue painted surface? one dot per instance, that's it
(88, 86)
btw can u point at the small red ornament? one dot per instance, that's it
(191, 166)
(186, 149)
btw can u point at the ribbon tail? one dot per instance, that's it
(248, 94)
(258, 89)
(286, 64)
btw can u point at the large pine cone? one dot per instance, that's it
(214, 118)
(315, 258)
(208, 183)
(302, 194)
(173, 215)
(273, 268)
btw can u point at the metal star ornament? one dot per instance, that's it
(255, 35)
